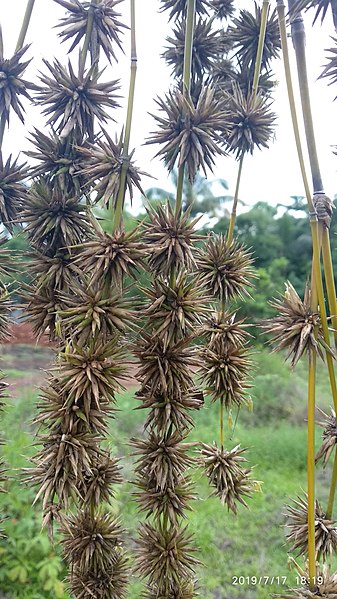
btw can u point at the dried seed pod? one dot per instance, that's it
(247, 121)
(325, 586)
(164, 556)
(171, 502)
(297, 523)
(175, 308)
(108, 259)
(189, 133)
(225, 268)
(163, 459)
(170, 239)
(223, 468)
(73, 101)
(110, 583)
(208, 46)
(103, 164)
(54, 219)
(183, 590)
(41, 309)
(95, 487)
(169, 410)
(55, 271)
(330, 69)
(105, 30)
(90, 541)
(165, 369)
(224, 370)
(12, 86)
(295, 326)
(245, 32)
(178, 8)
(13, 192)
(329, 437)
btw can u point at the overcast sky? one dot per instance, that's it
(270, 175)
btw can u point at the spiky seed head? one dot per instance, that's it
(60, 465)
(165, 556)
(105, 30)
(321, 7)
(41, 307)
(225, 369)
(6, 307)
(74, 101)
(87, 312)
(189, 132)
(208, 46)
(325, 586)
(108, 583)
(96, 485)
(223, 327)
(297, 525)
(59, 160)
(178, 8)
(53, 219)
(329, 437)
(165, 369)
(248, 122)
(245, 76)
(108, 259)
(175, 308)
(162, 460)
(170, 503)
(13, 192)
(170, 238)
(91, 372)
(89, 541)
(225, 268)
(223, 9)
(225, 472)
(244, 34)
(330, 69)
(223, 74)
(295, 326)
(56, 271)
(168, 410)
(12, 86)
(103, 165)
(184, 590)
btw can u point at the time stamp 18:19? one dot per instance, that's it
(269, 580)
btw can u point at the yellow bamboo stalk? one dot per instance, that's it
(311, 468)
(329, 280)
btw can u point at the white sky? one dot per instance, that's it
(270, 175)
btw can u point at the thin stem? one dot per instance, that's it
(25, 24)
(235, 202)
(129, 114)
(298, 37)
(88, 32)
(221, 424)
(2, 128)
(259, 54)
(329, 280)
(333, 485)
(188, 51)
(311, 468)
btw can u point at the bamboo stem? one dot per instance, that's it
(188, 51)
(235, 202)
(125, 155)
(257, 69)
(298, 38)
(329, 279)
(88, 32)
(2, 128)
(221, 424)
(25, 24)
(311, 468)
(332, 492)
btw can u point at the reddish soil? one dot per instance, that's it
(22, 333)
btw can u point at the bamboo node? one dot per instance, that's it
(324, 207)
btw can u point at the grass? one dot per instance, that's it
(247, 546)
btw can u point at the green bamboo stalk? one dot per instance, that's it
(190, 19)
(311, 469)
(25, 24)
(257, 69)
(133, 71)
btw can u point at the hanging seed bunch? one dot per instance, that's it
(297, 524)
(175, 307)
(178, 8)
(329, 437)
(296, 328)
(77, 297)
